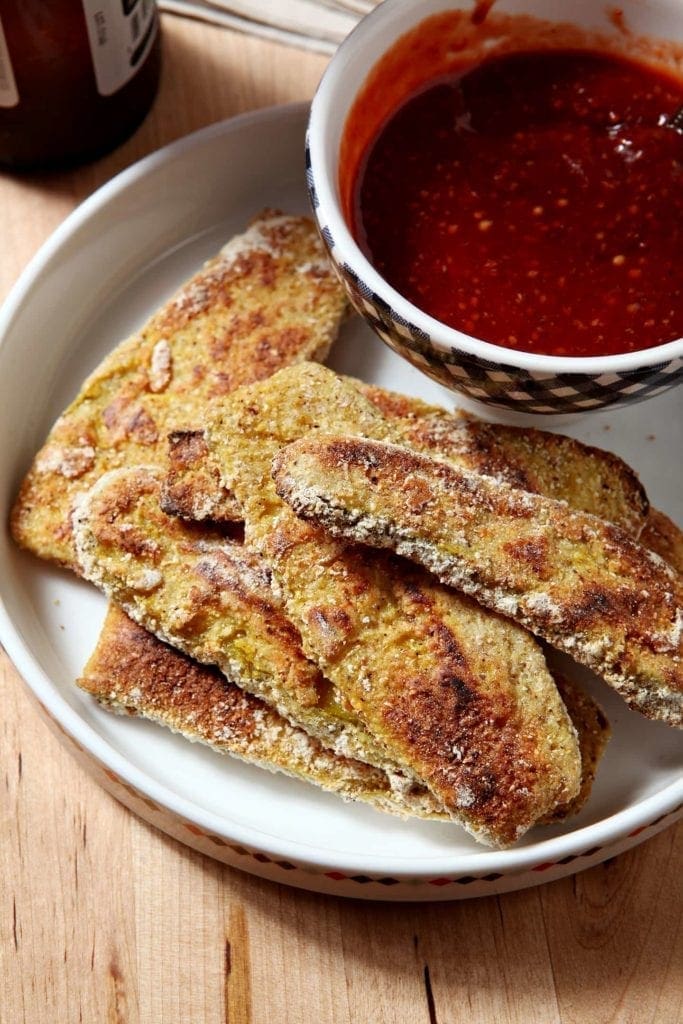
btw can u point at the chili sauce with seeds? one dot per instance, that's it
(534, 201)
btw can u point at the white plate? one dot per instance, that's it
(112, 262)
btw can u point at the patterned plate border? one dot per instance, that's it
(331, 881)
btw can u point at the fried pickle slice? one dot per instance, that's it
(577, 581)
(132, 673)
(462, 701)
(267, 299)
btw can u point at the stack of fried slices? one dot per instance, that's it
(344, 584)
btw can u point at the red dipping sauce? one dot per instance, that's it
(534, 201)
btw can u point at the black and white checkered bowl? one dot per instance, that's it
(518, 381)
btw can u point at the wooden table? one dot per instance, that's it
(104, 919)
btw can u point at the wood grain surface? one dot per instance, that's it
(104, 919)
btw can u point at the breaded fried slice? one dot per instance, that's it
(211, 598)
(132, 673)
(662, 536)
(267, 299)
(588, 479)
(594, 733)
(460, 698)
(576, 580)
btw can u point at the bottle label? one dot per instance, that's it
(9, 96)
(120, 33)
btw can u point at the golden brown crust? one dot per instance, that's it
(189, 582)
(594, 733)
(192, 488)
(269, 298)
(454, 694)
(212, 598)
(662, 536)
(579, 582)
(133, 673)
(588, 479)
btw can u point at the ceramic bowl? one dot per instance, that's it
(486, 373)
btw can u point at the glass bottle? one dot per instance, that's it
(76, 77)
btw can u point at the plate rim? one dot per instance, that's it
(514, 861)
